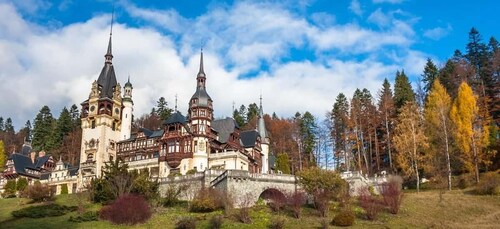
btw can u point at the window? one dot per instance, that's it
(202, 113)
(93, 124)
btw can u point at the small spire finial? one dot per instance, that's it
(175, 103)
(109, 55)
(233, 105)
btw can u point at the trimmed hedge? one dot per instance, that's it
(42, 211)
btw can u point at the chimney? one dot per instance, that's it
(33, 156)
(41, 154)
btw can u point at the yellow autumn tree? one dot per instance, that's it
(3, 157)
(409, 140)
(472, 131)
(437, 117)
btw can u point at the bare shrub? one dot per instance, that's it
(369, 203)
(216, 222)
(277, 223)
(324, 223)
(295, 201)
(276, 199)
(186, 223)
(38, 192)
(244, 211)
(127, 209)
(207, 200)
(172, 194)
(489, 184)
(322, 202)
(392, 194)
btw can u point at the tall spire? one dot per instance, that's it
(201, 73)
(109, 56)
(261, 125)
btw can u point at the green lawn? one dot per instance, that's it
(424, 210)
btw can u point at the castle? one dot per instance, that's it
(195, 142)
(185, 144)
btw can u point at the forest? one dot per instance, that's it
(445, 124)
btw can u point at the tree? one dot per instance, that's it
(431, 73)
(63, 126)
(252, 112)
(28, 130)
(42, 130)
(471, 134)
(283, 163)
(22, 183)
(2, 125)
(308, 129)
(340, 128)
(3, 156)
(9, 127)
(162, 109)
(409, 140)
(75, 116)
(387, 111)
(436, 113)
(403, 91)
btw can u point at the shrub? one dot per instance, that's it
(85, 217)
(22, 183)
(9, 189)
(275, 199)
(392, 194)
(42, 211)
(324, 223)
(64, 189)
(216, 222)
(321, 202)
(295, 201)
(465, 181)
(207, 200)
(244, 212)
(344, 218)
(172, 195)
(277, 223)
(38, 192)
(145, 187)
(369, 203)
(128, 209)
(186, 223)
(489, 184)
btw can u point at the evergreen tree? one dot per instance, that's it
(75, 116)
(64, 125)
(403, 91)
(387, 112)
(283, 163)
(240, 120)
(252, 112)
(431, 73)
(308, 130)
(9, 127)
(476, 50)
(162, 109)
(2, 125)
(275, 117)
(340, 128)
(42, 130)
(493, 45)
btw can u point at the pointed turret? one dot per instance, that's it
(201, 97)
(261, 125)
(109, 55)
(107, 79)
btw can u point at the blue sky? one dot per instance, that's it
(298, 54)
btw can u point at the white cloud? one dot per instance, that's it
(438, 32)
(379, 18)
(356, 8)
(57, 66)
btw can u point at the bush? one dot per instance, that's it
(216, 222)
(369, 203)
(38, 192)
(277, 223)
(42, 211)
(22, 183)
(295, 201)
(489, 184)
(172, 195)
(85, 217)
(64, 189)
(392, 194)
(344, 218)
(207, 200)
(186, 223)
(465, 181)
(9, 189)
(145, 187)
(244, 212)
(275, 199)
(322, 202)
(324, 223)
(128, 209)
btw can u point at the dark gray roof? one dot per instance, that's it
(26, 149)
(201, 93)
(249, 138)
(156, 133)
(147, 132)
(224, 128)
(73, 171)
(40, 161)
(44, 176)
(21, 162)
(107, 81)
(176, 117)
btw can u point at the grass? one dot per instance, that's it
(427, 209)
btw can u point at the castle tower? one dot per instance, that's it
(128, 108)
(261, 128)
(200, 117)
(101, 122)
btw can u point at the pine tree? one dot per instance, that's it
(252, 112)
(339, 132)
(436, 113)
(28, 130)
(162, 108)
(64, 125)
(75, 116)
(410, 140)
(283, 163)
(388, 112)
(42, 130)
(308, 130)
(2, 125)
(9, 127)
(431, 73)
(238, 117)
(403, 91)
